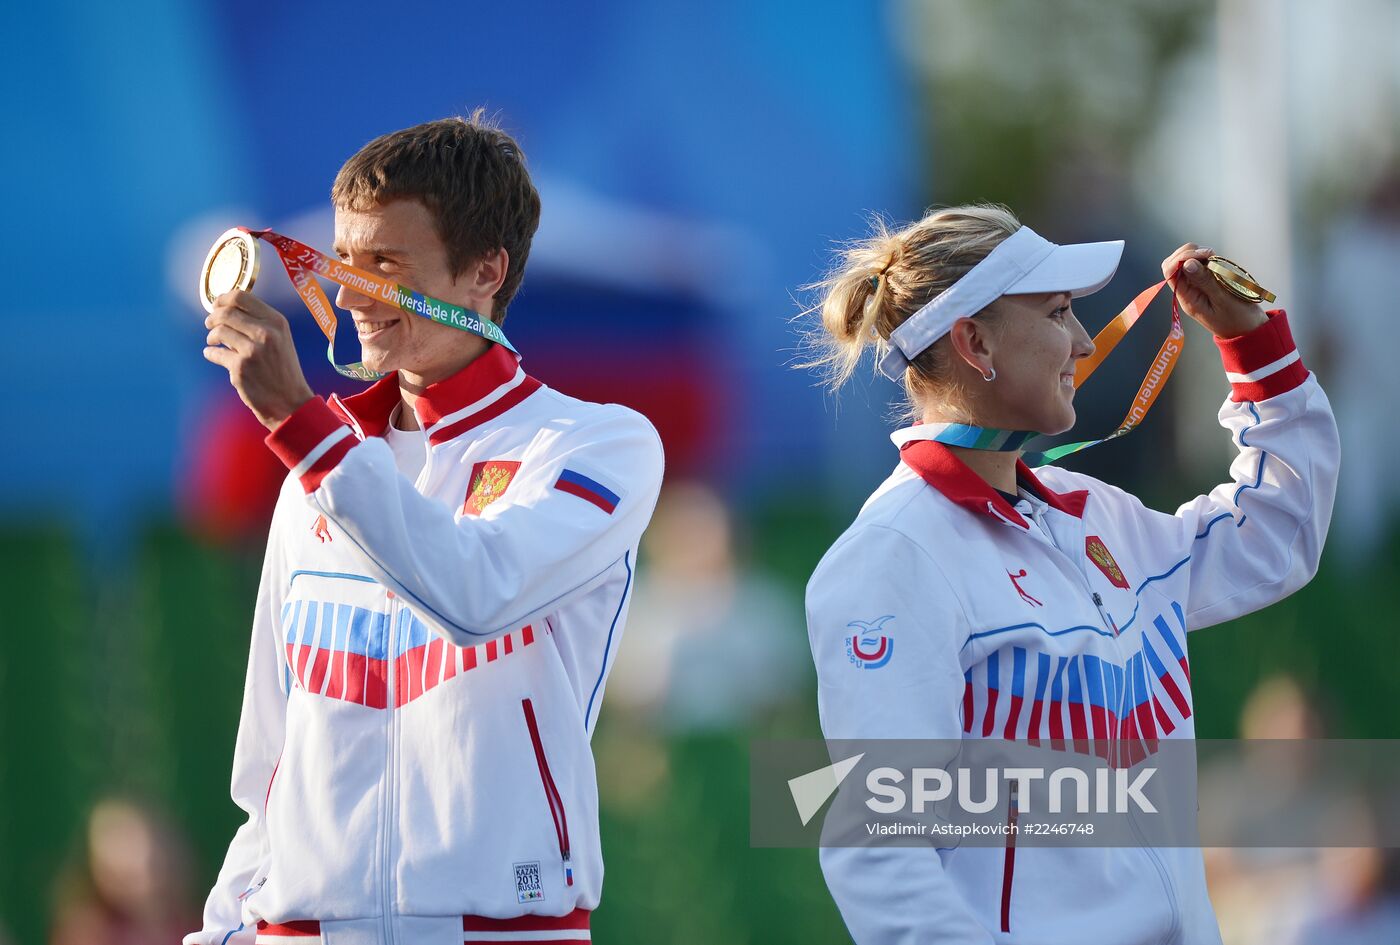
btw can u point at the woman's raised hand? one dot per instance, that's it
(1202, 297)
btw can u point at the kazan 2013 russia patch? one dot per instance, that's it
(576, 483)
(488, 483)
(527, 882)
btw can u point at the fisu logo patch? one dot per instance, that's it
(489, 482)
(869, 647)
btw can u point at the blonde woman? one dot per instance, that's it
(975, 598)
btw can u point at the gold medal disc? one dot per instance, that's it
(232, 263)
(1234, 277)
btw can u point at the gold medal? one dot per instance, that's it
(1234, 277)
(232, 263)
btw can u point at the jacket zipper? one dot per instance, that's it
(1118, 730)
(261, 881)
(1114, 736)
(1008, 870)
(551, 790)
(390, 773)
(1104, 615)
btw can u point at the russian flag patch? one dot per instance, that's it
(576, 483)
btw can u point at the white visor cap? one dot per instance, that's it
(1025, 263)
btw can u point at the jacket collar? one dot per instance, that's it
(937, 465)
(481, 391)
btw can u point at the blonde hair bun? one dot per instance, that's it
(881, 280)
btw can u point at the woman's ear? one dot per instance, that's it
(973, 344)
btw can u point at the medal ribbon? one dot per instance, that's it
(304, 264)
(987, 438)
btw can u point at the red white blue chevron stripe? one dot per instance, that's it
(344, 652)
(1020, 693)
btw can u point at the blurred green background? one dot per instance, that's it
(155, 719)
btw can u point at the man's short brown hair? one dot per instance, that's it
(469, 174)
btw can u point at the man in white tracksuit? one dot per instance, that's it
(447, 578)
(973, 598)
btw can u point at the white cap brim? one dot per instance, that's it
(1024, 263)
(1080, 269)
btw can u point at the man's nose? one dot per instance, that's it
(352, 301)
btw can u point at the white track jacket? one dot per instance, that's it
(428, 660)
(944, 613)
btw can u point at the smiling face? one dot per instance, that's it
(1033, 342)
(1035, 354)
(399, 241)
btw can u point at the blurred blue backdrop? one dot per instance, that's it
(692, 166)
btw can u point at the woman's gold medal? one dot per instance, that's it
(1237, 279)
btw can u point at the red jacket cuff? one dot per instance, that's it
(311, 442)
(1263, 363)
